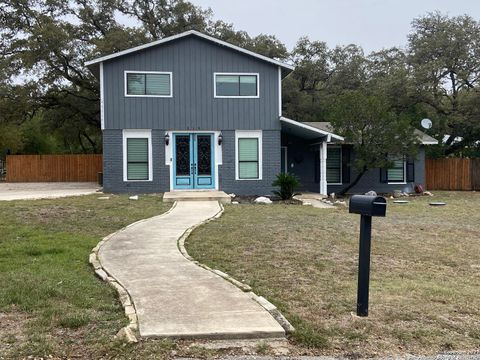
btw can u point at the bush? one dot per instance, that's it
(287, 184)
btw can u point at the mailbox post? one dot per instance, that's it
(366, 206)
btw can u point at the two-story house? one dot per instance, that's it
(194, 112)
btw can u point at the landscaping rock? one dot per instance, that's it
(101, 274)
(371, 193)
(263, 200)
(234, 202)
(428, 193)
(397, 193)
(104, 198)
(134, 197)
(232, 195)
(127, 335)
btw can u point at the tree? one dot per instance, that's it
(375, 131)
(320, 74)
(444, 56)
(44, 44)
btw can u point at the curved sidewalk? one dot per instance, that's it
(174, 297)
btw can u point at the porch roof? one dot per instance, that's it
(308, 130)
(325, 126)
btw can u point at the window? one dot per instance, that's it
(236, 85)
(153, 84)
(396, 174)
(137, 155)
(334, 165)
(248, 155)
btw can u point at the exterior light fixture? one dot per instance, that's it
(220, 139)
(167, 139)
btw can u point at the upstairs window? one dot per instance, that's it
(236, 85)
(154, 84)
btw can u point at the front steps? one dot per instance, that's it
(220, 196)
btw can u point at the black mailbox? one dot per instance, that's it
(368, 205)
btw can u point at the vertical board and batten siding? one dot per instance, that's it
(53, 168)
(452, 174)
(193, 62)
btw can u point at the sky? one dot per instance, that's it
(372, 24)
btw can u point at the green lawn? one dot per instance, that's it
(50, 301)
(425, 274)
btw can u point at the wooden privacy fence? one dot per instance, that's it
(52, 168)
(452, 174)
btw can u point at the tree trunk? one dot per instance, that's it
(354, 182)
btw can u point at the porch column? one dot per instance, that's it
(323, 168)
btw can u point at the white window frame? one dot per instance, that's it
(148, 72)
(137, 134)
(235, 96)
(341, 163)
(256, 134)
(404, 181)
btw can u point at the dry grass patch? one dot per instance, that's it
(425, 274)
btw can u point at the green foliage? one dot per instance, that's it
(287, 184)
(45, 45)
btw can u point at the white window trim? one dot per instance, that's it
(148, 72)
(256, 134)
(404, 182)
(235, 97)
(341, 164)
(138, 134)
(102, 99)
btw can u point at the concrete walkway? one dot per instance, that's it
(174, 297)
(32, 191)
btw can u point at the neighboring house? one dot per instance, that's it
(194, 112)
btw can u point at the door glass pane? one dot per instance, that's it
(135, 84)
(158, 84)
(227, 85)
(248, 85)
(182, 155)
(204, 155)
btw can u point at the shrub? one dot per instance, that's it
(287, 184)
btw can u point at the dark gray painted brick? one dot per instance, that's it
(113, 165)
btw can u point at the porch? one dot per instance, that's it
(304, 153)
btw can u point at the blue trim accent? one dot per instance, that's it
(194, 181)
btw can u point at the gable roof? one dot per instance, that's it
(425, 139)
(94, 64)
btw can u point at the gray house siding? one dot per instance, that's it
(193, 62)
(301, 162)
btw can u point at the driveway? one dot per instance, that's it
(30, 191)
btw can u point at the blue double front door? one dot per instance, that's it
(193, 161)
